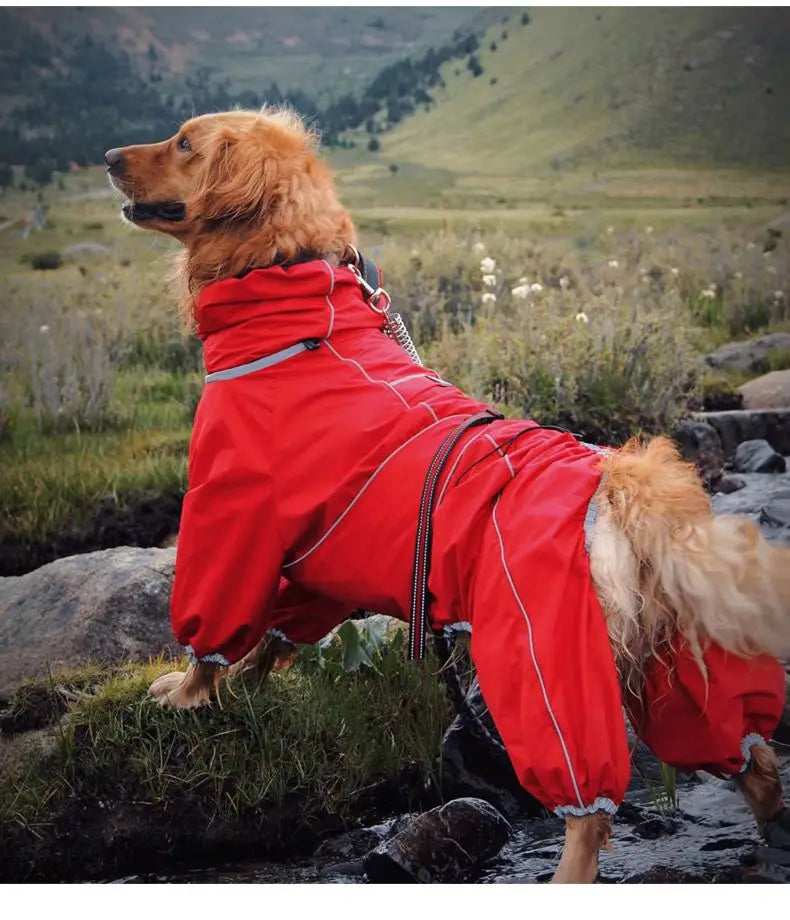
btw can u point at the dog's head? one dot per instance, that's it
(239, 189)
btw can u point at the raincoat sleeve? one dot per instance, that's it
(698, 722)
(304, 616)
(229, 551)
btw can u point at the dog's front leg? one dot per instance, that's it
(584, 839)
(761, 786)
(179, 690)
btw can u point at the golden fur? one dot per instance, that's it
(256, 193)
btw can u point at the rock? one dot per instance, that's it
(782, 733)
(352, 845)
(747, 355)
(736, 426)
(444, 844)
(763, 499)
(727, 484)
(474, 766)
(106, 606)
(771, 391)
(758, 457)
(699, 443)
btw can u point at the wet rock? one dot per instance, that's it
(758, 457)
(726, 484)
(771, 391)
(353, 844)
(107, 606)
(736, 426)
(699, 443)
(444, 844)
(764, 499)
(782, 733)
(777, 831)
(747, 356)
(473, 765)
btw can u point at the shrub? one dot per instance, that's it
(46, 261)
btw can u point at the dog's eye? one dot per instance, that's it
(184, 144)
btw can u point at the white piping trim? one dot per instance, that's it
(503, 455)
(359, 494)
(279, 634)
(600, 804)
(532, 653)
(432, 379)
(746, 748)
(453, 468)
(366, 374)
(436, 417)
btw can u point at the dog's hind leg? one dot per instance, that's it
(762, 789)
(584, 839)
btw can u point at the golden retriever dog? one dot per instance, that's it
(243, 190)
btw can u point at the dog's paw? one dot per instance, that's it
(172, 691)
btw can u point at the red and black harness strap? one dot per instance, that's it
(418, 616)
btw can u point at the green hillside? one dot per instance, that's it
(619, 86)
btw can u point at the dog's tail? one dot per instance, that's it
(686, 570)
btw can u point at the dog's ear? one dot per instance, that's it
(239, 179)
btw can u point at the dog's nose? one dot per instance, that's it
(114, 160)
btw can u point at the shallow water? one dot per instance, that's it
(711, 838)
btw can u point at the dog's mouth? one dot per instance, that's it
(139, 212)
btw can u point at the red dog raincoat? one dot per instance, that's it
(305, 474)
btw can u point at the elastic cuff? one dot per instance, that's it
(460, 626)
(213, 658)
(746, 748)
(279, 634)
(575, 811)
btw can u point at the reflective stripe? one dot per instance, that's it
(259, 365)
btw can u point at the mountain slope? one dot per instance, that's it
(650, 86)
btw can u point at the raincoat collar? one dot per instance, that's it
(269, 309)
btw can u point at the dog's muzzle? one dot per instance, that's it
(139, 212)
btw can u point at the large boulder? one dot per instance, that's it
(699, 443)
(771, 391)
(738, 425)
(747, 356)
(444, 844)
(757, 457)
(107, 606)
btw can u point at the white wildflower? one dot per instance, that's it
(564, 283)
(674, 272)
(43, 329)
(489, 280)
(767, 254)
(487, 265)
(779, 295)
(739, 275)
(489, 298)
(751, 246)
(613, 263)
(708, 294)
(610, 230)
(536, 287)
(582, 318)
(648, 229)
(523, 280)
(521, 292)
(478, 248)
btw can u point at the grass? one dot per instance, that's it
(306, 736)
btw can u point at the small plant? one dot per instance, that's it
(46, 261)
